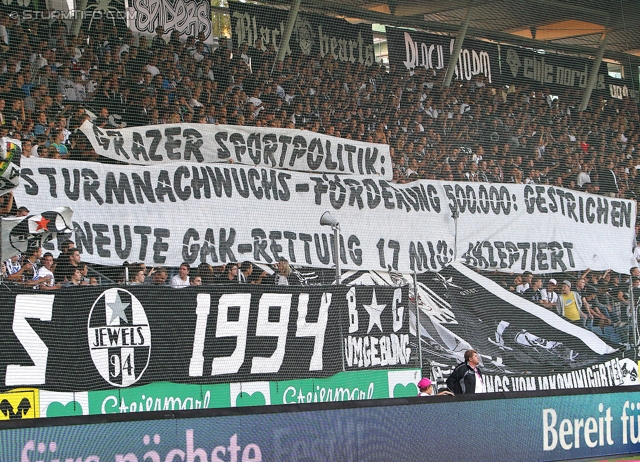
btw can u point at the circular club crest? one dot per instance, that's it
(119, 337)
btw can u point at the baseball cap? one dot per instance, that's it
(553, 281)
(424, 383)
(567, 283)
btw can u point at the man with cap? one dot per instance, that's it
(548, 296)
(426, 388)
(569, 305)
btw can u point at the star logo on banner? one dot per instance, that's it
(374, 311)
(42, 224)
(118, 309)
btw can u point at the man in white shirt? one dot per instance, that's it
(151, 68)
(45, 274)
(181, 280)
(527, 276)
(33, 263)
(549, 297)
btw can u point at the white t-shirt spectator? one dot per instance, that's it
(551, 297)
(178, 283)
(43, 273)
(153, 70)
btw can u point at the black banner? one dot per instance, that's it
(525, 335)
(92, 338)
(313, 35)
(524, 66)
(411, 49)
(522, 345)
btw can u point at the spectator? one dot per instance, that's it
(231, 273)
(607, 180)
(569, 305)
(548, 296)
(181, 280)
(46, 279)
(283, 275)
(533, 293)
(13, 268)
(158, 43)
(75, 279)
(158, 276)
(425, 387)
(467, 377)
(527, 277)
(136, 275)
(67, 265)
(86, 279)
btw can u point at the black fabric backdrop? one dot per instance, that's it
(399, 52)
(306, 37)
(479, 309)
(172, 318)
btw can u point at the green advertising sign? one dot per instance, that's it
(164, 396)
(159, 396)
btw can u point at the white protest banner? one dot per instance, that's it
(166, 214)
(261, 147)
(188, 17)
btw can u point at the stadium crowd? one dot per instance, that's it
(51, 82)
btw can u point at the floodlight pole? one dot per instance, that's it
(455, 54)
(291, 20)
(76, 24)
(593, 75)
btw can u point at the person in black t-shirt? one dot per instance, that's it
(533, 292)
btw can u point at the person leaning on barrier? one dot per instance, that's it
(86, 279)
(284, 276)
(250, 274)
(549, 297)
(232, 273)
(75, 279)
(136, 275)
(181, 279)
(533, 293)
(467, 378)
(157, 277)
(46, 280)
(426, 388)
(569, 305)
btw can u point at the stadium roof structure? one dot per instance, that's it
(570, 26)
